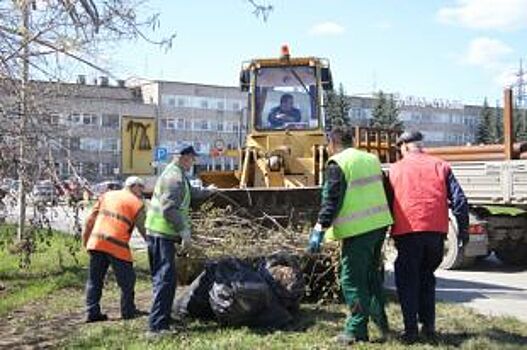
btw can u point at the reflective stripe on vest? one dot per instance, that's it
(112, 240)
(155, 220)
(364, 206)
(117, 216)
(117, 211)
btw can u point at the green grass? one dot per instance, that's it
(52, 268)
(51, 294)
(498, 210)
(314, 328)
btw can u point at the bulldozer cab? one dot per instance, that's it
(281, 166)
(286, 98)
(285, 94)
(285, 138)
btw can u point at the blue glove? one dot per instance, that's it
(315, 240)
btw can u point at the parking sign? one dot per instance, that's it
(161, 154)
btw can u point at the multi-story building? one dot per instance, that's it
(82, 123)
(87, 121)
(442, 122)
(209, 117)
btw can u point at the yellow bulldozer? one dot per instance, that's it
(281, 165)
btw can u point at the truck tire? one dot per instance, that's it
(514, 256)
(454, 256)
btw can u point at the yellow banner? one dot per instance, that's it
(138, 137)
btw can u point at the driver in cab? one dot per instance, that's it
(285, 113)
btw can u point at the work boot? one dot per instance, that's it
(408, 337)
(136, 314)
(386, 335)
(428, 334)
(97, 318)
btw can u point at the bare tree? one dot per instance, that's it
(38, 39)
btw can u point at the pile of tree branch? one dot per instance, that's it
(232, 232)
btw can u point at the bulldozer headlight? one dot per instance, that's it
(274, 163)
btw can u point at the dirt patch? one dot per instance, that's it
(44, 323)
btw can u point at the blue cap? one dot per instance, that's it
(189, 150)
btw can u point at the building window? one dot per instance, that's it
(168, 100)
(204, 124)
(89, 144)
(75, 119)
(107, 169)
(90, 170)
(236, 106)
(78, 168)
(204, 104)
(110, 144)
(170, 124)
(74, 144)
(110, 121)
(65, 169)
(197, 146)
(90, 119)
(181, 102)
(188, 125)
(235, 127)
(220, 105)
(180, 124)
(220, 125)
(55, 119)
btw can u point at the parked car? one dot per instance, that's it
(106, 186)
(44, 192)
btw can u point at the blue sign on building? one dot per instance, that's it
(161, 154)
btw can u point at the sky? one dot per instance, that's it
(462, 50)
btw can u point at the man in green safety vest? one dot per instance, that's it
(355, 211)
(167, 222)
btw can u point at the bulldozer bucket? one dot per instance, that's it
(222, 179)
(283, 205)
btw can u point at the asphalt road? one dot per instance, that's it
(488, 287)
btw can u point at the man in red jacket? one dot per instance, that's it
(423, 189)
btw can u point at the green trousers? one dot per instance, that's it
(361, 279)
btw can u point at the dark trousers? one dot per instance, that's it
(361, 280)
(418, 256)
(162, 257)
(125, 276)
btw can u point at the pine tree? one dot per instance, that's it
(484, 133)
(520, 129)
(386, 113)
(337, 108)
(497, 132)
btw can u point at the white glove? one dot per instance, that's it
(186, 242)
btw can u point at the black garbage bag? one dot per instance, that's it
(283, 273)
(195, 301)
(240, 296)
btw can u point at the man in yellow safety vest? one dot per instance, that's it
(354, 210)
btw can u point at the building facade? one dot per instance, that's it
(208, 117)
(442, 123)
(87, 121)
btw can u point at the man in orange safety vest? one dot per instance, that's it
(106, 236)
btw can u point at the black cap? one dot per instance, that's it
(189, 150)
(409, 136)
